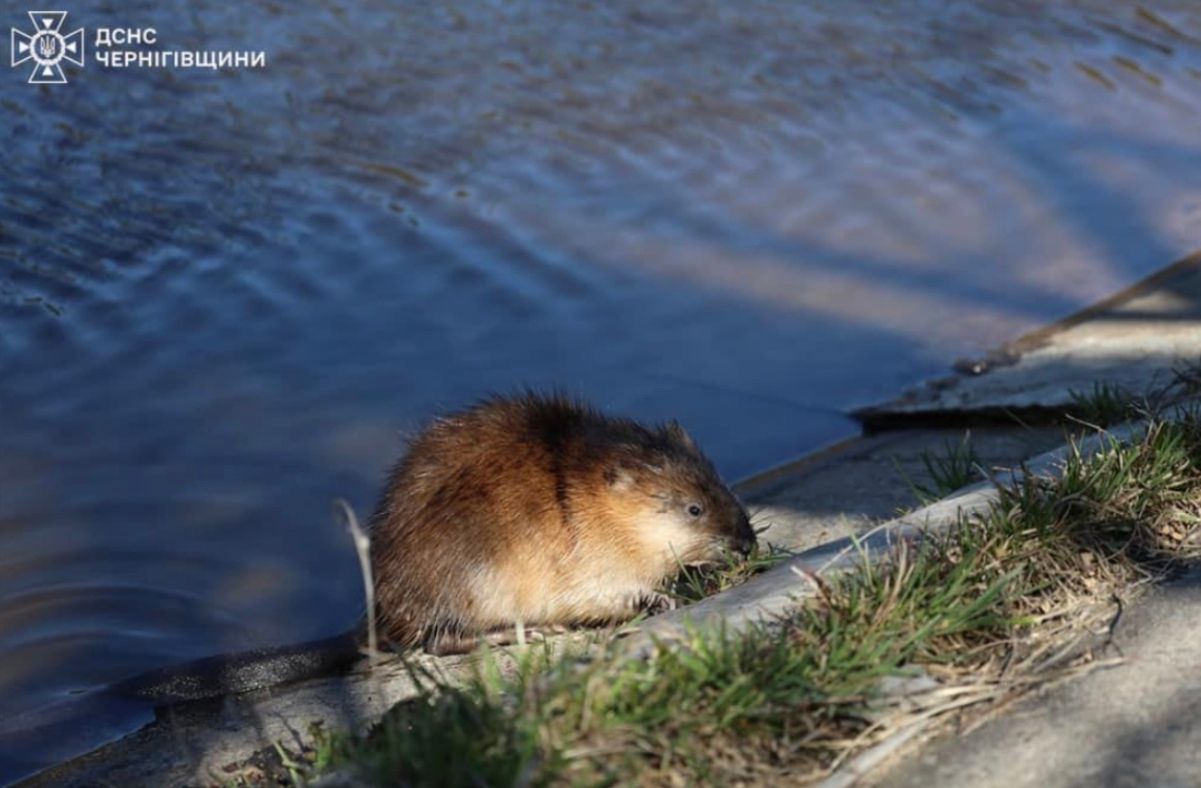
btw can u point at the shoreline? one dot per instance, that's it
(811, 501)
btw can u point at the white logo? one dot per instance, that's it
(47, 47)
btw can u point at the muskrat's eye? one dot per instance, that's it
(695, 510)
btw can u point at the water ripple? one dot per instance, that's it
(224, 296)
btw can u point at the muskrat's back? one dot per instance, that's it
(541, 510)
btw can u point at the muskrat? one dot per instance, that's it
(528, 509)
(541, 510)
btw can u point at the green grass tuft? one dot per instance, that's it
(1105, 405)
(694, 583)
(954, 468)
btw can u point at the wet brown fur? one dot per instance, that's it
(540, 510)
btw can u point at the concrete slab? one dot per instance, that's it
(856, 485)
(1133, 340)
(1135, 724)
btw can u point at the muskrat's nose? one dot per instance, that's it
(744, 539)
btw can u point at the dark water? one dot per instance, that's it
(222, 296)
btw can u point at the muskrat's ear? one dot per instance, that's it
(674, 430)
(619, 478)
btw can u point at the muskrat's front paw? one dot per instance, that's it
(656, 602)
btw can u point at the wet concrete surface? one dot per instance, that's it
(1134, 343)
